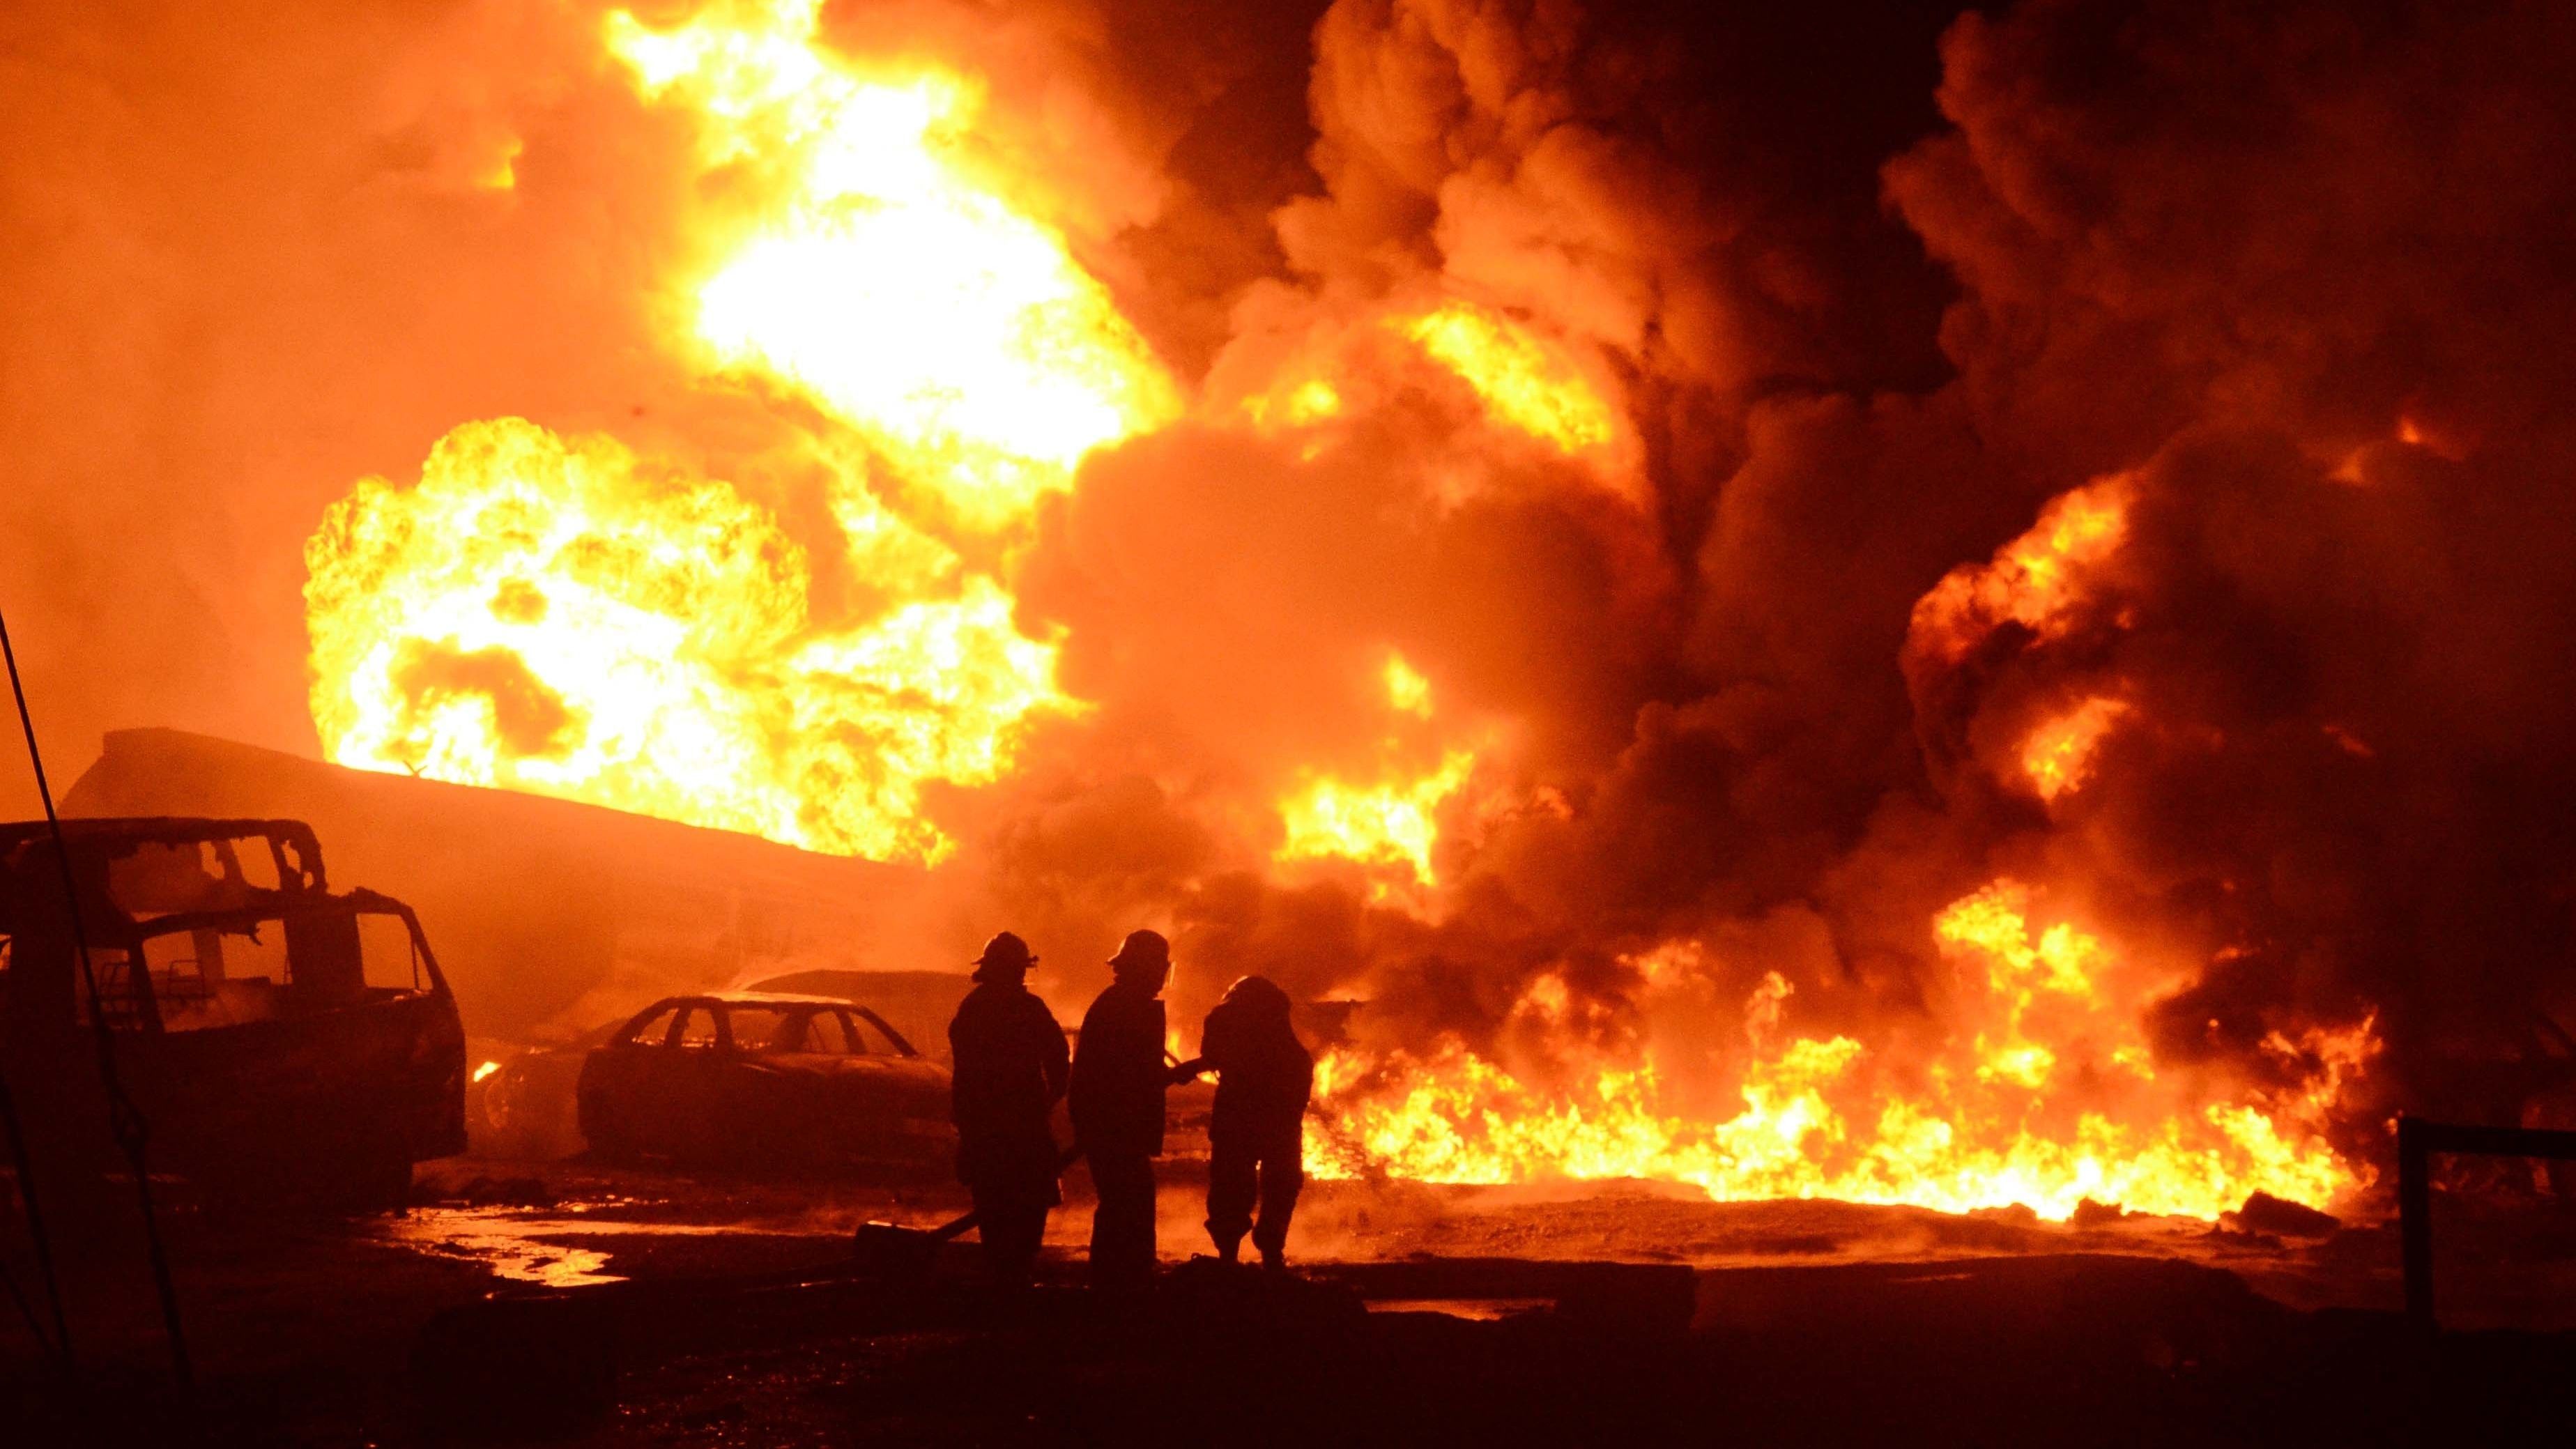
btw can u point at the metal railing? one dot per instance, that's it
(2417, 1141)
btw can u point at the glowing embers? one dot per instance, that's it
(2038, 581)
(2058, 756)
(551, 615)
(877, 275)
(2041, 1093)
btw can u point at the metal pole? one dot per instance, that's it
(124, 1119)
(2415, 1217)
(24, 1162)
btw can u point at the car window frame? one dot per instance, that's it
(854, 1034)
(716, 1011)
(894, 1038)
(786, 1011)
(633, 1033)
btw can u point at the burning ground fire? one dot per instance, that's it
(2043, 1096)
(912, 317)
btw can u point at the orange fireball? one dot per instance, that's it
(555, 615)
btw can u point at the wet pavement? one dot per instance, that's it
(567, 1223)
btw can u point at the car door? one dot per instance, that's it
(688, 1083)
(907, 1107)
(616, 1089)
(780, 1094)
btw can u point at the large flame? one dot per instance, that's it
(1525, 383)
(2044, 1094)
(884, 280)
(548, 615)
(1394, 822)
(552, 615)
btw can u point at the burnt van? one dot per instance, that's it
(276, 1037)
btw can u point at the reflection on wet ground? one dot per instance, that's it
(1475, 1310)
(2029, 1304)
(573, 1223)
(525, 1249)
(570, 1224)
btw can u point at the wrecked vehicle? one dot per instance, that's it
(519, 1099)
(760, 1080)
(278, 1039)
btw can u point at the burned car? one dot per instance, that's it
(752, 1079)
(519, 1099)
(277, 1037)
